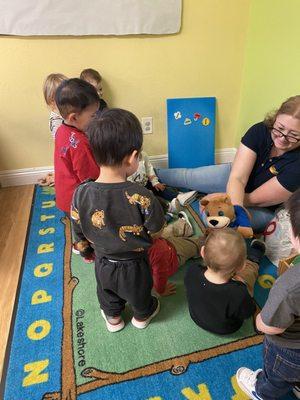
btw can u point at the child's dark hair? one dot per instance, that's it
(113, 135)
(293, 207)
(74, 95)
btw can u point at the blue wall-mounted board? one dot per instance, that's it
(191, 132)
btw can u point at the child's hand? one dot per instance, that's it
(169, 290)
(160, 187)
(89, 258)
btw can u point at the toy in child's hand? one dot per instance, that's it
(221, 213)
(48, 180)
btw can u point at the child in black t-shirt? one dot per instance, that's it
(119, 218)
(218, 295)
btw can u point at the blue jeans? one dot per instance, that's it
(281, 371)
(211, 179)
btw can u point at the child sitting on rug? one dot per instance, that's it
(171, 251)
(220, 295)
(74, 162)
(146, 176)
(119, 218)
(280, 321)
(55, 119)
(94, 78)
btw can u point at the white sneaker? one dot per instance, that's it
(296, 391)
(74, 250)
(113, 327)
(246, 379)
(184, 216)
(143, 324)
(174, 206)
(187, 197)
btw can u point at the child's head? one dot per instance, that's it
(94, 78)
(115, 135)
(293, 207)
(77, 102)
(224, 251)
(50, 86)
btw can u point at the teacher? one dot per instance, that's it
(265, 171)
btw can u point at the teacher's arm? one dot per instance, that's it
(241, 169)
(268, 194)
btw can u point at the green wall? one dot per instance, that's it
(272, 59)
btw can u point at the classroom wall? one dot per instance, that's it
(141, 72)
(272, 63)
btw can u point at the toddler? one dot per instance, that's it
(74, 162)
(55, 119)
(280, 321)
(145, 174)
(217, 302)
(49, 89)
(119, 218)
(169, 252)
(94, 78)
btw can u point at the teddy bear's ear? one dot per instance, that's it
(204, 202)
(226, 199)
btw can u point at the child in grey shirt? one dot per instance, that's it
(280, 321)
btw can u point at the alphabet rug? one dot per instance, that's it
(59, 347)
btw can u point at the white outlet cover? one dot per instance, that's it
(147, 125)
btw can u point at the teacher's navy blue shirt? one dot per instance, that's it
(286, 168)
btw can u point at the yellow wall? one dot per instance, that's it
(141, 72)
(272, 63)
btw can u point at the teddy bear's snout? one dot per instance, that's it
(218, 222)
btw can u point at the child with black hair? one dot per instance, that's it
(94, 78)
(74, 162)
(119, 218)
(280, 321)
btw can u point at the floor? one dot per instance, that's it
(14, 214)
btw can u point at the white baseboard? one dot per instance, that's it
(27, 176)
(223, 156)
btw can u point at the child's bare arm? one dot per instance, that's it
(82, 244)
(156, 184)
(270, 330)
(152, 175)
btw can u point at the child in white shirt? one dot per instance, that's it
(55, 119)
(145, 174)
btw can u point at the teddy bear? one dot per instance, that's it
(221, 213)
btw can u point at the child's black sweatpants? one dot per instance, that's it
(124, 281)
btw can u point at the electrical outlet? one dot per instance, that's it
(147, 125)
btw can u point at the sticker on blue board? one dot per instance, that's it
(191, 132)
